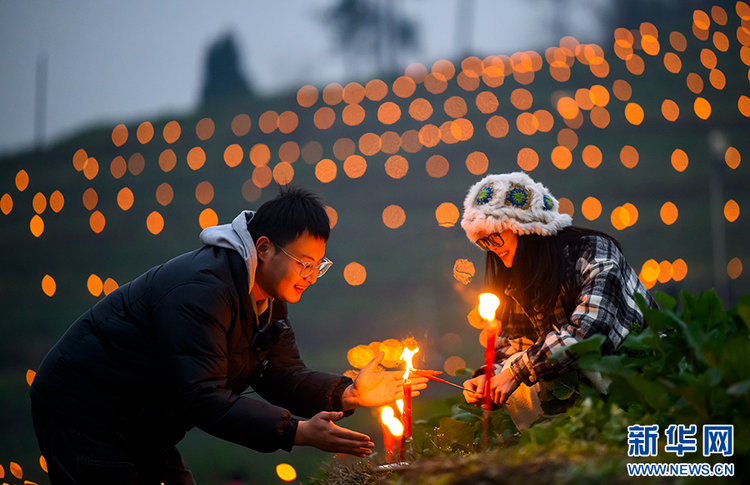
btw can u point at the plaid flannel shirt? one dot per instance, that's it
(604, 304)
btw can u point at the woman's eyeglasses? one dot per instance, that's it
(494, 240)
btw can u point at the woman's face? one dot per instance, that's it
(507, 251)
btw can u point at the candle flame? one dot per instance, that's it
(406, 356)
(488, 304)
(394, 425)
(386, 414)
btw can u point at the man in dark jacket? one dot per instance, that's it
(176, 348)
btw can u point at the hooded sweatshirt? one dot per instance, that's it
(175, 348)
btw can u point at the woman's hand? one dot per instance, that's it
(502, 386)
(476, 384)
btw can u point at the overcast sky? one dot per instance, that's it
(113, 61)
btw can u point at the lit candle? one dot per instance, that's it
(392, 428)
(407, 408)
(407, 356)
(488, 304)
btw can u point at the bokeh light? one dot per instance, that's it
(734, 268)
(668, 213)
(702, 108)
(325, 170)
(286, 472)
(118, 167)
(355, 274)
(208, 218)
(49, 285)
(437, 166)
(679, 160)
(263, 176)
(172, 131)
(463, 271)
(205, 128)
(453, 364)
(260, 154)
(95, 285)
(592, 156)
(204, 192)
(268, 122)
(241, 125)
(307, 96)
(629, 156)
(731, 210)
(233, 155)
(527, 159)
(196, 157)
(125, 198)
(355, 166)
(90, 198)
(732, 158)
(591, 208)
(97, 221)
(56, 201)
(145, 132)
(447, 214)
(477, 163)
(164, 194)
(119, 135)
(167, 160)
(136, 164)
(333, 216)
(670, 110)
(396, 166)
(155, 222)
(39, 203)
(394, 216)
(283, 173)
(36, 226)
(90, 168)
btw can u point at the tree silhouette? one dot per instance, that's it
(371, 29)
(223, 75)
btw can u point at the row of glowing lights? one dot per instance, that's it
(594, 99)
(393, 216)
(404, 87)
(355, 165)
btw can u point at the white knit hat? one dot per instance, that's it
(511, 201)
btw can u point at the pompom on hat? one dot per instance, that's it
(511, 201)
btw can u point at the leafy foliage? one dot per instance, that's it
(686, 366)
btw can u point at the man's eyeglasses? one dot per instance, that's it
(494, 240)
(309, 268)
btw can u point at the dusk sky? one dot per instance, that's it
(110, 61)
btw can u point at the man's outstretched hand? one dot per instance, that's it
(377, 388)
(322, 433)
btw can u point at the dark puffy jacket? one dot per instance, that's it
(172, 350)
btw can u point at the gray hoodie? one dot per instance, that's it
(235, 236)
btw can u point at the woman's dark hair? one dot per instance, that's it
(289, 215)
(538, 271)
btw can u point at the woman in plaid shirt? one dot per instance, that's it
(562, 283)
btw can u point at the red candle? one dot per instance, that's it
(406, 416)
(489, 362)
(388, 442)
(488, 303)
(392, 429)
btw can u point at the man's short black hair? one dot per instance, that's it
(289, 215)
